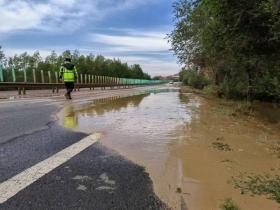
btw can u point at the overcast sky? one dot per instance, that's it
(132, 30)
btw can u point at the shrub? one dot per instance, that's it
(194, 79)
(229, 205)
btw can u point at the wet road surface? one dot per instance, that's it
(96, 178)
(19, 118)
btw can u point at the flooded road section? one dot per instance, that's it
(190, 147)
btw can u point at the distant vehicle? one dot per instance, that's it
(171, 82)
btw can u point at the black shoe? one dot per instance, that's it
(67, 96)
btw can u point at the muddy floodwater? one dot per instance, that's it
(190, 146)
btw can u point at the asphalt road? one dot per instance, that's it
(24, 117)
(97, 178)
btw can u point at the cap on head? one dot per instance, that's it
(67, 59)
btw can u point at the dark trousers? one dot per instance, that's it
(69, 87)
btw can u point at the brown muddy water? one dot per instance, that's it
(177, 138)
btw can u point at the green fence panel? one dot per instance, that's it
(13, 74)
(1, 73)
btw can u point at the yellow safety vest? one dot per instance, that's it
(68, 72)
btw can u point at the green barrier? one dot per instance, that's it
(1, 73)
(21, 76)
(13, 74)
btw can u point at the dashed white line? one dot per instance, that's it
(14, 185)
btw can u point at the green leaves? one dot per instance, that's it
(252, 184)
(89, 64)
(193, 79)
(229, 205)
(238, 40)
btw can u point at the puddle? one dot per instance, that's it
(190, 151)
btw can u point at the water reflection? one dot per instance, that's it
(113, 104)
(70, 119)
(98, 107)
(142, 128)
(71, 113)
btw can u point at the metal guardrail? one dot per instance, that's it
(83, 81)
(50, 80)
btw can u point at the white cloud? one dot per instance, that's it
(10, 52)
(53, 15)
(66, 3)
(150, 49)
(160, 68)
(16, 15)
(152, 65)
(133, 41)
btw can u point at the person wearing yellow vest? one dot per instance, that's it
(68, 73)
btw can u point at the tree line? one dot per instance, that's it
(85, 64)
(234, 43)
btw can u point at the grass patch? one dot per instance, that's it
(184, 98)
(233, 108)
(225, 110)
(229, 205)
(221, 146)
(179, 190)
(187, 89)
(267, 185)
(225, 107)
(212, 90)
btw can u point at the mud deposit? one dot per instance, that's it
(192, 148)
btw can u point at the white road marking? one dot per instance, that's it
(19, 182)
